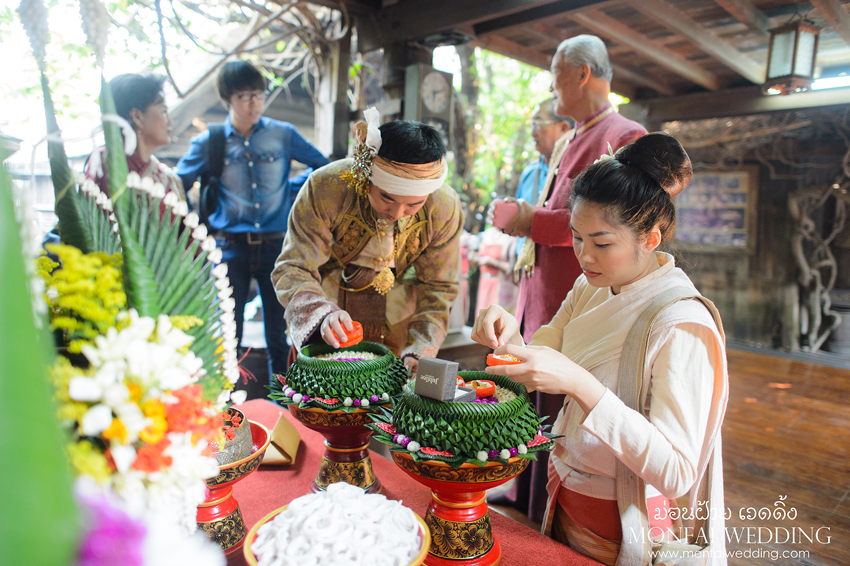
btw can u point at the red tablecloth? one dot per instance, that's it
(271, 487)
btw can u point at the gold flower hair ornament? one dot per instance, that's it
(606, 156)
(368, 143)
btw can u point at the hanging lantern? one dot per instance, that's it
(791, 58)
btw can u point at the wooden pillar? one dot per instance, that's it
(332, 110)
(396, 59)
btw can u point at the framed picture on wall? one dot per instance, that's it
(717, 211)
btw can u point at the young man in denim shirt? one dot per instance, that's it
(254, 194)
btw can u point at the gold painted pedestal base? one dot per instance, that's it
(346, 458)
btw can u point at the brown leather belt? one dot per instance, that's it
(253, 238)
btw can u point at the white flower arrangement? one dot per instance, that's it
(143, 366)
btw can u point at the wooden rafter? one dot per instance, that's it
(737, 102)
(630, 76)
(554, 35)
(837, 17)
(604, 25)
(415, 19)
(677, 20)
(553, 11)
(502, 46)
(747, 13)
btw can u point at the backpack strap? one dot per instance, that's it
(631, 489)
(216, 150)
(209, 190)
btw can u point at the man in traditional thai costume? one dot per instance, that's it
(581, 83)
(375, 239)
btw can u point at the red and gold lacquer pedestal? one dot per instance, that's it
(458, 516)
(219, 515)
(346, 458)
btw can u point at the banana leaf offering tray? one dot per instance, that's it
(344, 380)
(459, 433)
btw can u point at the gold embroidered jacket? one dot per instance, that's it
(329, 226)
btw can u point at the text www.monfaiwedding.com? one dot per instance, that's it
(661, 555)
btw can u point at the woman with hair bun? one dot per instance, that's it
(662, 442)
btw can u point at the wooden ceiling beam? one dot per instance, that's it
(680, 22)
(736, 102)
(558, 10)
(628, 79)
(622, 73)
(605, 25)
(502, 46)
(416, 19)
(551, 31)
(837, 17)
(746, 12)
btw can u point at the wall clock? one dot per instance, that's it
(429, 98)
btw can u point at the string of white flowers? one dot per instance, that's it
(90, 189)
(224, 292)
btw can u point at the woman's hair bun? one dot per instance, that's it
(662, 157)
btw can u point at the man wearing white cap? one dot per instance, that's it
(375, 239)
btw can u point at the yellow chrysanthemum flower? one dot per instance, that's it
(72, 412)
(85, 292)
(184, 323)
(154, 410)
(87, 461)
(116, 431)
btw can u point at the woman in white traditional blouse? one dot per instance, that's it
(622, 212)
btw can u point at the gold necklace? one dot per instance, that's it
(385, 279)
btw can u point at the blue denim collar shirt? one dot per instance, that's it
(530, 182)
(254, 190)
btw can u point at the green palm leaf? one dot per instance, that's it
(164, 270)
(82, 223)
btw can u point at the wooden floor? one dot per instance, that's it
(786, 433)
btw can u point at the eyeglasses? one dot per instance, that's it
(540, 123)
(249, 96)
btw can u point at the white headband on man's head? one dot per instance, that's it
(404, 186)
(402, 179)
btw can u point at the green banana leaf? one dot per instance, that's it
(41, 522)
(164, 271)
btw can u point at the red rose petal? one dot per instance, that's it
(386, 427)
(537, 441)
